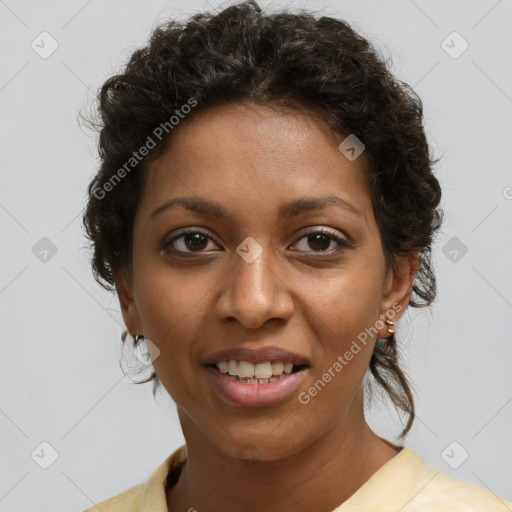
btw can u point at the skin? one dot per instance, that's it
(295, 295)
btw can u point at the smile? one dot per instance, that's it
(260, 373)
(255, 385)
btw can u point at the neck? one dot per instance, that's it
(321, 476)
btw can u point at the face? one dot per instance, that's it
(269, 265)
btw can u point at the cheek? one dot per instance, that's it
(343, 312)
(168, 305)
(347, 304)
(169, 312)
(343, 321)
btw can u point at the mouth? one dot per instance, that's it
(261, 373)
(255, 377)
(246, 384)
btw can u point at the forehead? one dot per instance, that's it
(250, 150)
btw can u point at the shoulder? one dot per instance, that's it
(148, 496)
(435, 491)
(127, 501)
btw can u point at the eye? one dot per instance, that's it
(188, 242)
(321, 240)
(196, 241)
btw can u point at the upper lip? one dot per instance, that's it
(252, 355)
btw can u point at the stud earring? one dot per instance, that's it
(390, 322)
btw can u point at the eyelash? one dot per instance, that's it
(343, 245)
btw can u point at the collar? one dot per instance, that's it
(153, 496)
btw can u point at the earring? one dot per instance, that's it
(390, 322)
(137, 338)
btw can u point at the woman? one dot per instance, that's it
(265, 209)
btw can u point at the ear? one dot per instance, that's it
(126, 296)
(397, 290)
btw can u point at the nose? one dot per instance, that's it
(253, 293)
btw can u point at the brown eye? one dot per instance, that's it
(195, 241)
(321, 241)
(188, 242)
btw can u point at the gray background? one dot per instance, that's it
(60, 332)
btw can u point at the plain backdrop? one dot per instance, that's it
(61, 384)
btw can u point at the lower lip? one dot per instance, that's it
(256, 395)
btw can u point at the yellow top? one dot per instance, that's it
(404, 483)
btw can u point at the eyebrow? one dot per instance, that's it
(286, 210)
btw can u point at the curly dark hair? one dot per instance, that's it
(280, 60)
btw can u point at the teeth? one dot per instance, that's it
(263, 370)
(245, 369)
(277, 368)
(254, 373)
(254, 380)
(232, 368)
